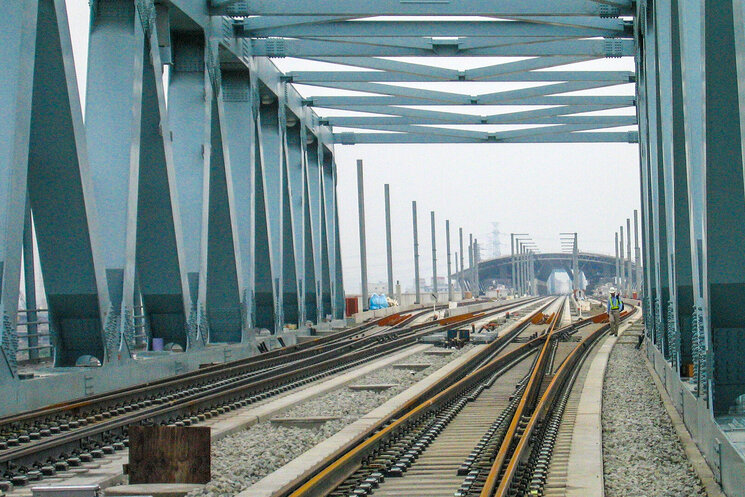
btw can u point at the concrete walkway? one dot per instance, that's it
(585, 469)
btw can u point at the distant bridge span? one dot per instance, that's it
(597, 269)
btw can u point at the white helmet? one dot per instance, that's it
(612, 290)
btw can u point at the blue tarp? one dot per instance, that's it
(378, 301)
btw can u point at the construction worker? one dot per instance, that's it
(615, 306)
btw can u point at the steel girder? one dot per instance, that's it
(550, 34)
(505, 8)
(427, 29)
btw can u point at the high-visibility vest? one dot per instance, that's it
(615, 303)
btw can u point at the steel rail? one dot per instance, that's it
(285, 351)
(209, 373)
(236, 394)
(544, 406)
(338, 466)
(526, 403)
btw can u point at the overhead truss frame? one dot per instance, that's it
(367, 43)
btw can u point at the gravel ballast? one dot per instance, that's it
(242, 459)
(642, 453)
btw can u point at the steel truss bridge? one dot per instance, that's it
(201, 206)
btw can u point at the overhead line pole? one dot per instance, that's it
(417, 299)
(637, 253)
(618, 269)
(363, 242)
(462, 267)
(388, 238)
(447, 245)
(434, 255)
(629, 276)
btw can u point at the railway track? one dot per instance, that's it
(39, 443)
(489, 434)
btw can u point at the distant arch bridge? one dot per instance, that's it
(597, 268)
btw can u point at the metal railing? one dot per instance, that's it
(28, 331)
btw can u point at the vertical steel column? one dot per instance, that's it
(339, 298)
(476, 259)
(223, 296)
(434, 254)
(240, 135)
(644, 159)
(525, 276)
(512, 260)
(294, 265)
(622, 265)
(315, 224)
(617, 279)
(417, 299)
(462, 274)
(518, 266)
(575, 263)
(666, 171)
(363, 242)
(447, 245)
(269, 249)
(637, 254)
(457, 269)
(469, 279)
(18, 24)
(534, 290)
(331, 276)
(691, 15)
(627, 259)
(388, 239)
(44, 125)
(471, 258)
(521, 268)
(656, 197)
(680, 258)
(188, 110)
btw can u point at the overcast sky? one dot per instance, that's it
(541, 189)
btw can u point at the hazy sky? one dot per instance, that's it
(541, 189)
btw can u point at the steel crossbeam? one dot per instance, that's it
(396, 7)
(397, 29)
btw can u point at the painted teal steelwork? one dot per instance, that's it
(690, 87)
(43, 157)
(174, 248)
